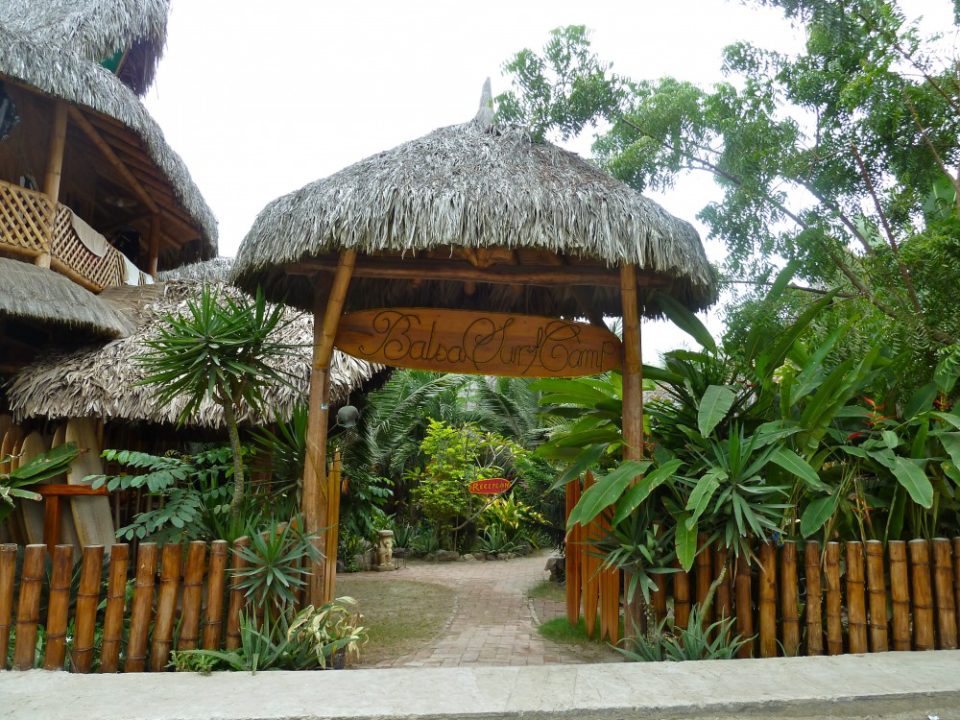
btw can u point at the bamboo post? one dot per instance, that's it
(856, 599)
(702, 566)
(85, 617)
(946, 603)
(923, 636)
(315, 502)
(141, 608)
(744, 606)
(814, 610)
(789, 599)
(54, 172)
(634, 617)
(213, 617)
(58, 607)
(116, 604)
(8, 567)
(236, 596)
(571, 555)
(723, 601)
(333, 525)
(876, 586)
(166, 606)
(591, 567)
(28, 606)
(610, 594)
(956, 576)
(900, 594)
(834, 626)
(681, 599)
(768, 600)
(658, 598)
(192, 596)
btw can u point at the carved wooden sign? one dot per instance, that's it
(479, 343)
(489, 486)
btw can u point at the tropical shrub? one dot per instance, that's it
(45, 466)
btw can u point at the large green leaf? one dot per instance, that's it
(686, 541)
(796, 465)
(951, 443)
(909, 475)
(702, 494)
(686, 321)
(606, 491)
(714, 405)
(816, 514)
(632, 498)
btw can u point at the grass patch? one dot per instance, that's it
(559, 630)
(400, 615)
(547, 590)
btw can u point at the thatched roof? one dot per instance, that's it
(43, 297)
(50, 68)
(476, 185)
(102, 382)
(96, 30)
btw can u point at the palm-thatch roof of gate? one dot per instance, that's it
(474, 186)
(103, 382)
(43, 297)
(41, 62)
(96, 30)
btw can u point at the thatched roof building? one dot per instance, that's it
(487, 195)
(102, 382)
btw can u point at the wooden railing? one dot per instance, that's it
(25, 230)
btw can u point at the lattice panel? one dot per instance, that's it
(23, 219)
(101, 272)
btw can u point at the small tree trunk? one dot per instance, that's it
(238, 484)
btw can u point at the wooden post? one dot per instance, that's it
(634, 617)
(789, 599)
(876, 585)
(315, 503)
(28, 606)
(923, 636)
(724, 601)
(153, 254)
(900, 594)
(58, 607)
(814, 611)
(590, 563)
(744, 606)
(768, 600)
(8, 566)
(166, 606)
(192, 596)
(236, 596)
(85, 617)
(943, 585)
(681, 599)
(702, 569)
(834, 626)
(856, 600)
(333, 525)
(54, 172)
(116, 604)
(213, 614)
(571, 554)
(136, 660)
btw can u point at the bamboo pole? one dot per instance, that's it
(166, 606)
(116, 604)
(814, 597)
(192, 596)
(141, 608)
(767, 605)
(856, 599)
(946, 602)
(54, 173)
(681, 599)
(744, 606)
(876, 585)
(634, 615)
(723, 601)
(333, 525)
(922, 594)
(28, 606)
(834, 626)
(956, 576)
(8, 567)
(213, 614)
(658, 598)
(789, 599)
(315, 502)
(236, 596)
(610, 593)
(85, 616)
(900, 594)
(58, 607)
(571, 555)
(702, 566)
(591, 567)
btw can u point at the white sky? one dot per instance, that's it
(260, 98)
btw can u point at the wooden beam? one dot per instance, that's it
(326, 319)
(634, 615)
(54, 174)
(91, 132)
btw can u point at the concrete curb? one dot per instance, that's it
(918, 683)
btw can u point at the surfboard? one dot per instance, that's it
(32, 512)
(68, 531)
(91, 514)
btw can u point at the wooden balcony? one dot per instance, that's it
(30, 228)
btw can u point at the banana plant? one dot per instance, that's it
(44, 466)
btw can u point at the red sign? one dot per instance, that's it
(490, 486)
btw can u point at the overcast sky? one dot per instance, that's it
(260, 98)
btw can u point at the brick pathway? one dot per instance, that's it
(493, 621)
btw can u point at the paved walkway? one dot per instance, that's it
(493, 620)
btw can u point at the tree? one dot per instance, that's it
(225, 347)
(842, 159)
